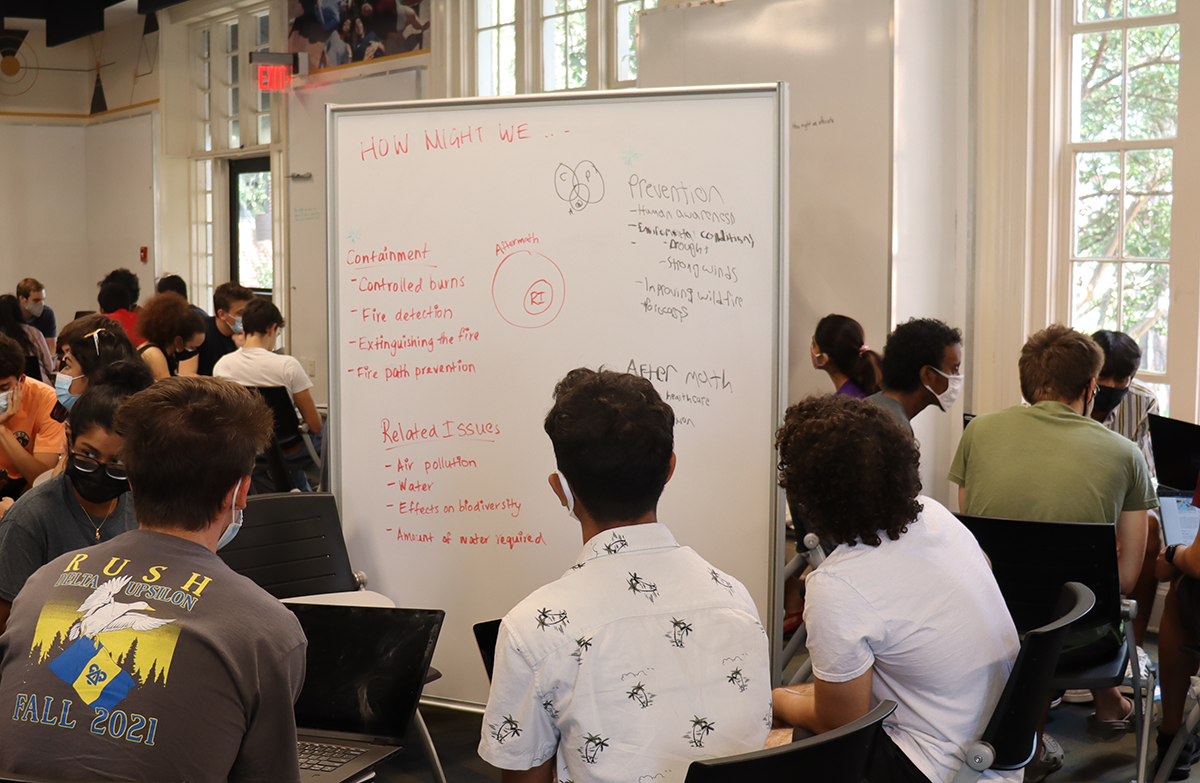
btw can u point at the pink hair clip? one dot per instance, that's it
(863, 349)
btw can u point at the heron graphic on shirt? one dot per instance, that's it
(103, 613)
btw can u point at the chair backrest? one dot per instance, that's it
(1033, 560)
(1013, 729)
(838, 756)
(287, 424)
(291, 544)
(33, 367)
(486, 634)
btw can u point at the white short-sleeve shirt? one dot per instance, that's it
(263, 368)
(641, 658)
(926, 613)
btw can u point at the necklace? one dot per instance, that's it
(106, 516)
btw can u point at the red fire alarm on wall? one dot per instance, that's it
(145, 254)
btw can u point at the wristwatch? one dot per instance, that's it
(1169, 555)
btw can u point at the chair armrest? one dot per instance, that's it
(1129, 609)
(980, 756)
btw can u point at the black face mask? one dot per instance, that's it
(96, 487)
(183, 356)
(1108, 398)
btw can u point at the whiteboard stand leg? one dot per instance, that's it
(435, 763)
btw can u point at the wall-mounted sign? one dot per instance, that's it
(275, 71)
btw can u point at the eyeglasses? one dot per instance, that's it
(115, 470)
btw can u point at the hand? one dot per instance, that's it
(1164, 571)
(5, 505)
(14, 403)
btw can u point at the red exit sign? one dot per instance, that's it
(274, 78)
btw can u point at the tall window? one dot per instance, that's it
(230, 112)
(251, 245)
(496, 47)
(1124, 88)
(548, 45)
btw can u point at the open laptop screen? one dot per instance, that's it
(366, 667)
(1176, 446)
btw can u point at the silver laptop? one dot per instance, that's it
(1180, 520)
(365, 670)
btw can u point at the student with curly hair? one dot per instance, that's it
(839, 347)
(905, 608)
(921, 367)
(170, 327)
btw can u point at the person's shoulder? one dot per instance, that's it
(43, 397)
(227, 363)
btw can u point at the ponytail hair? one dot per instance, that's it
(842, 339)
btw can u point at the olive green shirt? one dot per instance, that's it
(1046, 462)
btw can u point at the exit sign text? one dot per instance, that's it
(274, 78)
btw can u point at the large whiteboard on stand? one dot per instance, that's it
(479, 250)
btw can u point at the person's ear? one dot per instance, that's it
(556, 485)
(671, 472)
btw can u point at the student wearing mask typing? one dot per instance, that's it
(85, 504)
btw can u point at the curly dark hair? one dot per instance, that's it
(1122, 354)
(850, 467)
(166, 317)
(613, 438)
(917, 343)
(127, 280)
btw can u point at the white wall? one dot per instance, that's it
(120, 199)
(43, 214)
(931, 213)
(75, 203)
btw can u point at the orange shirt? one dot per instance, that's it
(39, 425)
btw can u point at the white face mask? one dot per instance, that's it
(566, 488)
(954, 384)
(236, 523)
(35, 308)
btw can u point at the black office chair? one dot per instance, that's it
(291, 545)
(33, 368)
(1032, 560)
(1010, 740)
(486, 634)
(838, 756)
(288, 440)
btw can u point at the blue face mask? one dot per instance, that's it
(4, 400)
(236, 524)
(62, 390)
(236, 326)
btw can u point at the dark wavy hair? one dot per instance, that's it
(842, 339)
(166, 317)
(917, 343)
(97, 407)
(850, 467)
(100, 347)
(613, 438)
(124, 279)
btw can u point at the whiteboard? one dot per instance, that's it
(837, 60)
(479, 250)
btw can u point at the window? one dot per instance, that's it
(203, 227)
(520, 46)
(1123, 132)
(251, 249)
(496, 47)
(231, 113)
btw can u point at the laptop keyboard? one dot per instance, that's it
(320, 757)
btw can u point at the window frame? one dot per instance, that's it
(1183, 313)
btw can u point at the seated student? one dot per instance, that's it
(642, 656)
(1051, 462)
(839, 347)
(905, 608)
(87, 503)
(32, 297)
(31, 422)
(921, 364)
(255, 364)
(31, 340)
(223, 331)
(176, 284)
(118, 299)
(150, 632)
(170, 328)
(88, 350)
(1178, 564)
(1124, 406)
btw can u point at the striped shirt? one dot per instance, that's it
(1132, 419)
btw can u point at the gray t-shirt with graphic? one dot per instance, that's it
(46, 522)
(147, 658)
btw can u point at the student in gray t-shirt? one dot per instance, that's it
(921, 367)
(146, 657)
(85, 504)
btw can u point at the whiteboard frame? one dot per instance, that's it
(771, 614)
